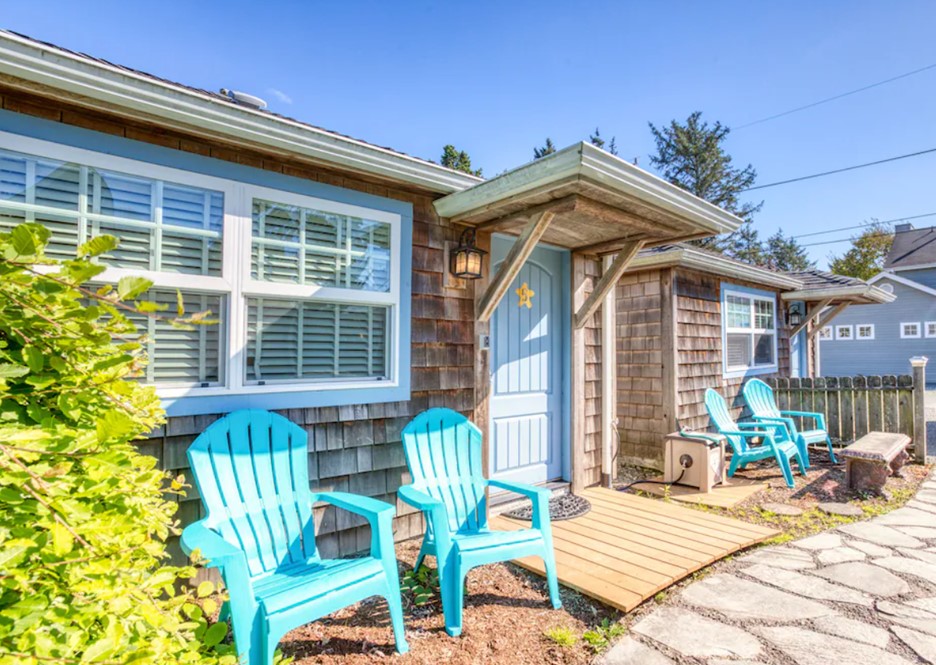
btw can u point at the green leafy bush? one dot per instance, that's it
(600, 637)
(422, 585)
(83, 515)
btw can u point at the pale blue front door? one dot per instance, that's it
(529, 359)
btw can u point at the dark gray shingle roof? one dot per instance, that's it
(820, 279)
(912, 248)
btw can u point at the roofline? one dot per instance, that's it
(689, 257)
(114, 88)
(918, 266)
(902, 280)
(836, 292)
(585, 161)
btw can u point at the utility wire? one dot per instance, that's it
(861, 226)
(832, 242)
(847, 168)
(833, 98)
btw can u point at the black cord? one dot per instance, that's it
(655, 482)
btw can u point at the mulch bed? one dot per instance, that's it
(506, 613)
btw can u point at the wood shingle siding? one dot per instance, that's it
(351, 448)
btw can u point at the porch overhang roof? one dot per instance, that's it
(866, 294)
(600, 202)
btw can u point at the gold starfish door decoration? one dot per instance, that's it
(526, 296)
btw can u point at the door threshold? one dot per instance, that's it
(503, 501)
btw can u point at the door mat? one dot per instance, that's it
(562, 507)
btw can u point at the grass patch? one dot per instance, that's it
(562, 635)
(600, 637)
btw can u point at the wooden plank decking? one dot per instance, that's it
(628, 548)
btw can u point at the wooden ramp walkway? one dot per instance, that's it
(629, 548)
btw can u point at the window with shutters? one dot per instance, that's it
(307, 289)
(750, 332)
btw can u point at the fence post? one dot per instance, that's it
(919, 407)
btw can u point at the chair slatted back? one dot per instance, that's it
(443, 453)
(760, 399)
(721, 418)
(251, 469)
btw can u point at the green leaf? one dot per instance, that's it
(100, 650)
(34, 358)
(98, 245)
(180, 304)
(215, 633)
(11, 371)
(62, 540)
(23, 240)
(209, 605)
(130, 287)
(206, 588)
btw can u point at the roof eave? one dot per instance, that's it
(586, 162)
(687, 257)
(111, 88)
(859, 295)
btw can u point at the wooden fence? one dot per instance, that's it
(853, 406)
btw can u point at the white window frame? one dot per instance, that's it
(903, 330)
(847, 338)
(733, 371)
(235, 283)
(926, 329)
(859, 326)
(825, 333)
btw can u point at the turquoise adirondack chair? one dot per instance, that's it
(251, 469)
(763, 405)
(775, 443)
(443, 453)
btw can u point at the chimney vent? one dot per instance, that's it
(244, 99)
(902, 228)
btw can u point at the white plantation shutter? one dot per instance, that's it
(294, 341)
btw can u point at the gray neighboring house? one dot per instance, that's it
(881, 339)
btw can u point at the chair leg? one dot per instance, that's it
(395, 606)
(784, 463)
(799, 463)
(453, 599)
(831, 450)
(549, 562)
(225, 612)
(735, 465)
(423, 552)
(803, 449)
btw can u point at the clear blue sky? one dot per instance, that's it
(496, 78)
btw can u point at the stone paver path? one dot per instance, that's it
(863, 593)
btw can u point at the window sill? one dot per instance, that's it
(203, 401)
(749, 371)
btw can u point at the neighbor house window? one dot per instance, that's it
(864, 331)
(825, 332)
(307, 290)
(750, 325)
(843, 332)
(909, 330)
(930, 328)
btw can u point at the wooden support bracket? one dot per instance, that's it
(607, 282)
(512, 264)
(817, 310)
(827, 319)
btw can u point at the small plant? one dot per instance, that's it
(600, 637)
(660, 597)
(562, 635)
(422, 585)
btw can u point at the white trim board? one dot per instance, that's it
(904, 281)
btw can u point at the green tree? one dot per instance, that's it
(692, 155)
(783, 253)
(547, 149)
(84, 516)
(599, 142)
(866, 256)
(458, 160)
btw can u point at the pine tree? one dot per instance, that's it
(866, 256)
(547, 149)
(691, 155)
(457, 160)
(596, 139)
(783, 254)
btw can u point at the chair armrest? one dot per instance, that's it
(436, 514)
(218, 552)
(538, 496)
(818, 417)
(749, 434)
(379, 515)
(418, 498)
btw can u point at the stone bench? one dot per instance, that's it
(873, 458)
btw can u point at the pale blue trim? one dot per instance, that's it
(751, 371)
(78, 137)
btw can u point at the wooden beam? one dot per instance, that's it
(608, 383)
(565, 204)
(482, 371)
(577, 410)
(827, 319)
(606, 283)
(670, 352)
(816, 311)
(511, 266)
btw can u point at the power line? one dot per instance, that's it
(832, 242)
(833, 98)
(861, 226)
(847, 168)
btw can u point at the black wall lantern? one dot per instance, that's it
(794, 315)
(466, 258)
